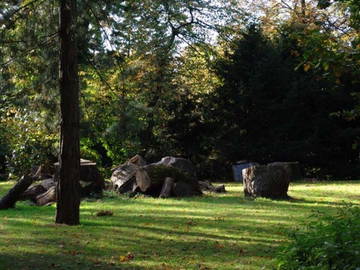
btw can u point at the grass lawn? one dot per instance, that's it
(210, 232)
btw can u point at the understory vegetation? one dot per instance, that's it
(214, 82)
(219, 232)
(330, 242)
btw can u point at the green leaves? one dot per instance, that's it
(331, 243)
(27, 142)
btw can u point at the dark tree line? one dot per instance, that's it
(270, 109)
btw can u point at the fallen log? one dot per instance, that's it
(207, 186)
(37, 189)
(13, 195)
(32, 192)
(47, 198)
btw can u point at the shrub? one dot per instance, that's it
(25, 141)
(332, 242)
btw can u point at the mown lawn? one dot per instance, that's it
(209, 232)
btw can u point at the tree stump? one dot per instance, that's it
(266, 181)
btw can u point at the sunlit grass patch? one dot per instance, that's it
(225, 231)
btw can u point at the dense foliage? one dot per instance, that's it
(332, 242)
(272, 107)
(156, 80)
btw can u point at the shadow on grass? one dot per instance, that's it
(218, 230)
(62, 261)
(196, 247)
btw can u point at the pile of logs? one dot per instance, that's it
(43, 191)
(170, 177)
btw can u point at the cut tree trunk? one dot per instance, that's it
(167, 188)
(10, 199)
(32, 192)
(123, 178)
(46, 198)
(266, 181)
(182, 164)
(35, 190)
(150, 179)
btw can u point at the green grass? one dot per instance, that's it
(210, 232)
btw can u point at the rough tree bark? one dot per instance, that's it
(68, 203)
(266, 181)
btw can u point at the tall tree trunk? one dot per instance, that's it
(68, 197)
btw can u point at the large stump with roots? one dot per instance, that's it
(170, 177)
(266, 181)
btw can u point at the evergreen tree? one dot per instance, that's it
(268, 109)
